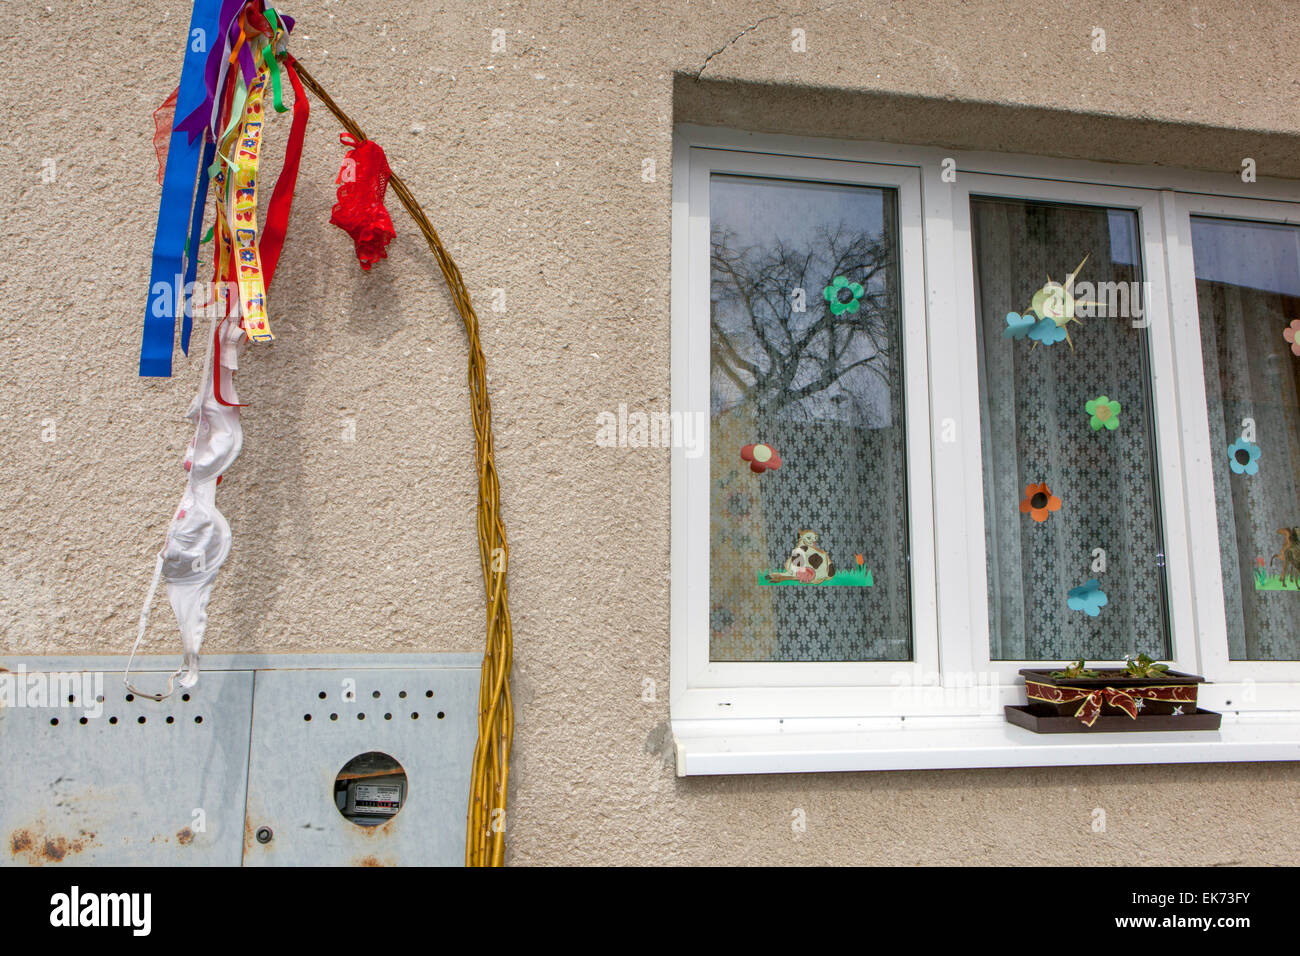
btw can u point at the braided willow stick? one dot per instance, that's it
(485, 825)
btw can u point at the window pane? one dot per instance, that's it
(1071, 502)
(1248, 294)
(808, 496)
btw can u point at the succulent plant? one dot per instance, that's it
(1143, 666)
(1077, 669)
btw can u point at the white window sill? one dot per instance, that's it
(706, 747)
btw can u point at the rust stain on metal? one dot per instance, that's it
(369, 861)
(185, 836)
(384, 828)
(38, 848)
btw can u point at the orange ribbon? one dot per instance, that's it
(1125, 700)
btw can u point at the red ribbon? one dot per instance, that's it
(277, 213)
(1125, 700)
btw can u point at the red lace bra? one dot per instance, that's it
(360, 210)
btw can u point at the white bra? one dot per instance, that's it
(198, 539)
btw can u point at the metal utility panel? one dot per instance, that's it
(193, 779)
(141, 783)
(308, 724)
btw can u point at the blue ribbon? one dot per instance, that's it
(180, 209)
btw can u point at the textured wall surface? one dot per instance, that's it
(529, 162)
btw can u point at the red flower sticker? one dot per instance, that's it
(761, 457)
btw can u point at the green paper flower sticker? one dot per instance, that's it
(843, 295)
(1104, 412)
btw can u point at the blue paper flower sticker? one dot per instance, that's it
(1088, 598)
(1018, 325)
(1048, 332)
(1243, 457)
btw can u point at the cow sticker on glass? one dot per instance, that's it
(809, 563)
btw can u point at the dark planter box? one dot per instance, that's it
(1119, 680)
(1190, 720)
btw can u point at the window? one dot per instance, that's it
(1066, 434)
(1248, 294)
(808, 480)
(960, 427)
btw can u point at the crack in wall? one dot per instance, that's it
(754, 26)
(749, 29)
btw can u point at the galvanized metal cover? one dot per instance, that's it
(425, 719)
(191, 780)
(124, 781)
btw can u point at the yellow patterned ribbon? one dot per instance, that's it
(237, 213)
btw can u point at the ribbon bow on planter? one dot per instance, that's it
(1125, 700)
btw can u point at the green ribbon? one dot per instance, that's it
(269, 58)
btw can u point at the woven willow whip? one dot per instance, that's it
(485, 826)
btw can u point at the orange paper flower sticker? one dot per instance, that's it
(761, 457)
(1038, 501)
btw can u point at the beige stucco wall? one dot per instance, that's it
(529, 161)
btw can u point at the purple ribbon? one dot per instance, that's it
(214, 73)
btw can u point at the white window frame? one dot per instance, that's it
(767, 689)
(968, 483)
(1252, 676)
(944, 709)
